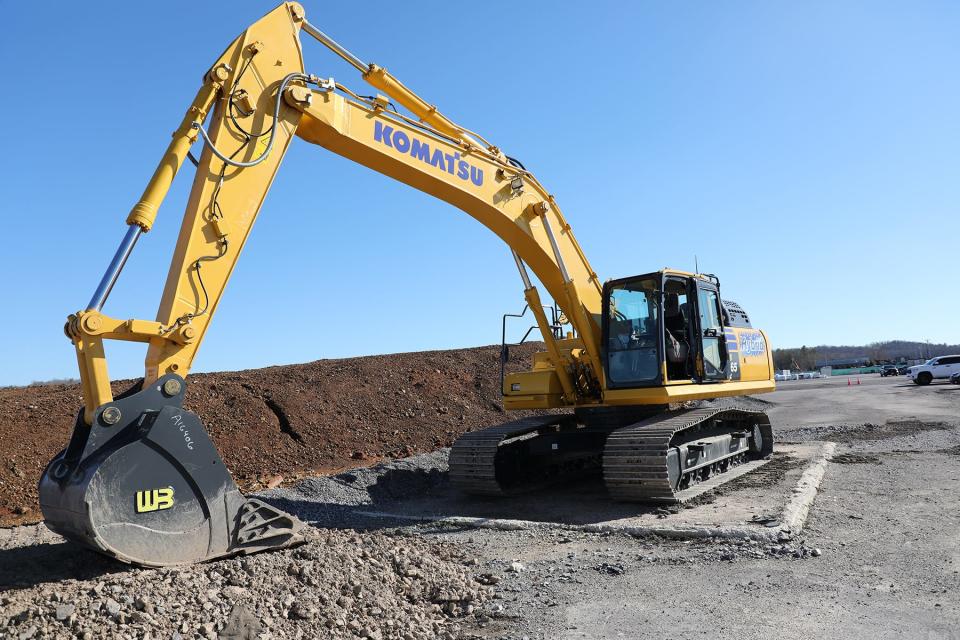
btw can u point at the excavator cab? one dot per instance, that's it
(664, 327)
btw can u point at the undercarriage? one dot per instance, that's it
(659, 458)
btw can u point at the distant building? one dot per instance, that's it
(844, 363)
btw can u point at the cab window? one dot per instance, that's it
(632, 332)
(711, 333)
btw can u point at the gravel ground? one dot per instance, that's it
(338, 584)
(879, 558)
(332, 500)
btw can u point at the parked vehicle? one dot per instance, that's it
(955, 378)
(800, 375)
(889, 370)
(902, 369)
(942, 368)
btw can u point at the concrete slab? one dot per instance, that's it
(769, 503)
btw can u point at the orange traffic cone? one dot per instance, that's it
(858, 379)
(848, 382)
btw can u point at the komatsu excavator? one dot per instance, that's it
(140, 479)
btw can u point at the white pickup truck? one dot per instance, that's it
(934, 368)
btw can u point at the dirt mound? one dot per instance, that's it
(290, 421)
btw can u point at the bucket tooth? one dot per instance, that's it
(261, 526)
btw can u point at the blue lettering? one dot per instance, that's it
(382, 133)
(476, 176)
(437, 160)
(421, 151)
(405, 143)
(401, 141)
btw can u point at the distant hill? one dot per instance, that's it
(807, 358)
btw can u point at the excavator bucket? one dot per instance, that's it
(143, 483)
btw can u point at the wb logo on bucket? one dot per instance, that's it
(154, 500)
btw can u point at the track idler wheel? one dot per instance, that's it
(144, 484)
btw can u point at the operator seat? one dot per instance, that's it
(675, 323)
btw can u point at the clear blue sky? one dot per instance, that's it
(805, 152)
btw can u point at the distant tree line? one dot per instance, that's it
(808, 358)
(802, 359)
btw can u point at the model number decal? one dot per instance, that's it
(752, 343)
(181, 425)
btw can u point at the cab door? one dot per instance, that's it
(713, 345)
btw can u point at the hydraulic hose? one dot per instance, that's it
(276, 117)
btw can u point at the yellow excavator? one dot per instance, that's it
(140, 479)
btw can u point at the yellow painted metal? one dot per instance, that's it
(270, 49)
(382, 79)
(540, 387)
(94, 378)
(537, 389)
(589, 330)
(534, 402)
(758, 366)
(535, 382)
(88, 329)
(145, 211)
(560, 372)
(684, 392)
(93, 323)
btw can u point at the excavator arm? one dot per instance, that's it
(256, 97)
